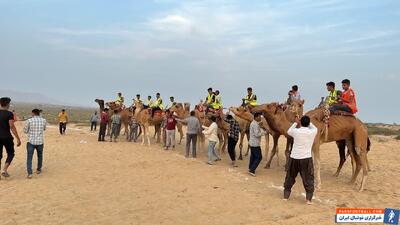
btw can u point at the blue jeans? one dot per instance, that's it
(30, 150)
(211, 150)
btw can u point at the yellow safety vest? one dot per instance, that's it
(120, 100)
(332, 98)
(210, 98)
(137, 101)
(217, 103)
(159, 103)
(251, 100)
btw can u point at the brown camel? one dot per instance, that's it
(244, 117)
(340, 128)
(143, 117)
(222, 125)
(279, 120)
(183, 111)
(126, 116)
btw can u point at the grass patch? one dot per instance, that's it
(372, 130)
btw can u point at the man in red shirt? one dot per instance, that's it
(170, 130)
(104, 119)
(347, 101)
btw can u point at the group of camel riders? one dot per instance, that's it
(337, 100)
(156, 105)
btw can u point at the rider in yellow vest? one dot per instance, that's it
(173, 103)
(120, 100)
(217, 104)
(209, 99)
(250, 99)
(137, 100)
(149, 102)
(158, 104)
(334, 95)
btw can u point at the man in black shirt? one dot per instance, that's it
(6, 139)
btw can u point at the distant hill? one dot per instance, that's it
(29, 97)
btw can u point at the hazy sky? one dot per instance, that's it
(79, 50)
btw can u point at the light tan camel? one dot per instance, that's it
(183, 111)
(126, 116)
(279, 120)
(244, 117)
(340, 128)
(143, 117)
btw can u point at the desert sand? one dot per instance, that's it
(87, 182)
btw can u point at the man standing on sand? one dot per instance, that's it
(63, 119)
(6, 139)
(35, 128)
(116, 126)
(104, 119)
(170, 130)
(212, 134)
(233, 137)
(300, 160)
(193, 129)
(255, 142)
(93, 121)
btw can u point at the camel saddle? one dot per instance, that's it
(341, 113)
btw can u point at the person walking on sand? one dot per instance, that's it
(212, 134)
(6, 138)
(34, 128)
(193, 129)
(233, 137)
(300, 160)
(116, 126)
(93, 121)
(104, 119)
(256, 132)
(170, 130)
(63, 119)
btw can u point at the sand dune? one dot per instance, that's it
(86, 182)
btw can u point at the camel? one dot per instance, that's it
(279, 124)
(244, 117)
(183, 111)
(340, 128)
(126, 116)
(143, 117)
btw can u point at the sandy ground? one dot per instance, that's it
(86, 182)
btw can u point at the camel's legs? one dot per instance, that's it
(364, 163)
(342, 153)
(144, 134)
(273, 152)
(248, 146)
(267, 145)
(317, 165)
(289, 146)
(179, 125)
(241, 144)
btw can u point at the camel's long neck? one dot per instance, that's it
(278, 122)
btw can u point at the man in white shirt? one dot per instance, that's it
(300, 158)
(212, 134)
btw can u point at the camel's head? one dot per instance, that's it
(186, 105)
(178, 107)
(297, 106)
(266, 108)
(100, 102)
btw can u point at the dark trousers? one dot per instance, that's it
(231, 148)
(8, 144)
(338, 107)
(115, 129)
(191, 138)
(93, 126)
(30, 148)
(63, 127)
(306, 169)
(102, 132)
(255, 158)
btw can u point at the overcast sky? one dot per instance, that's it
(77, 51)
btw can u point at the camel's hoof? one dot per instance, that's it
(267, 167)
(336, 174)
(361, 190)
(240, 158)
(246, 154)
